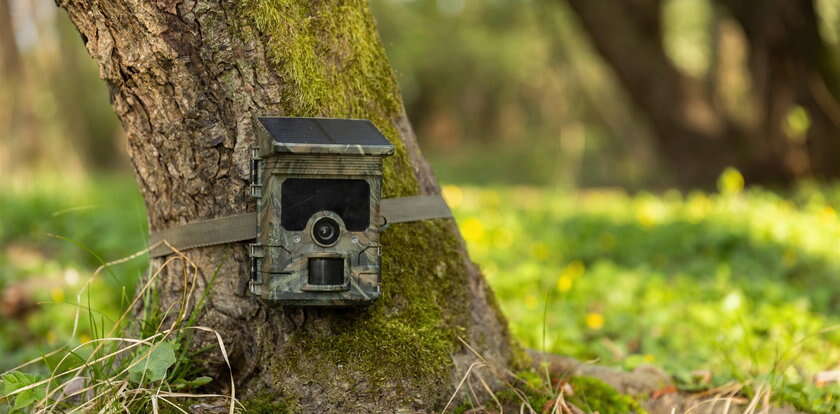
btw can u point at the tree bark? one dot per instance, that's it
(186, 78)
(698, 138)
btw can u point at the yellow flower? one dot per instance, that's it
(472, 229)
(57, 295)
(594, 320)
(568, 275)
(797, 123)
(83, 339)
(648, 358)
(650, 213)
(731, 181)
(453, 195)
(564, 283)
(827, 215)
(699, 206)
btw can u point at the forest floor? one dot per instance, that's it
(731, 290)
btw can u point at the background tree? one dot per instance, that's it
(793, 78)
(186, 78)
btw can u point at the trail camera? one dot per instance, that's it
(318, 185)
(314, 239)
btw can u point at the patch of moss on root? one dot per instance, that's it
(269, 404)
(590, 395)
(593, 395)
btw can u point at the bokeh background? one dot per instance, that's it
(642, 182)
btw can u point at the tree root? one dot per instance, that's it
(655, 389)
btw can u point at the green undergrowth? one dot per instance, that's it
(53, 235)
(133, 364)
(738, 285)
(817, 400)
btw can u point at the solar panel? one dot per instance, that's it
(324, 131)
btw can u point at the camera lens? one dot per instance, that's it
(325, 231)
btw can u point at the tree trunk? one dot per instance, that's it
(186, 78)
(790, 64)
(693, 134)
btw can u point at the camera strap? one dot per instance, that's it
(243, 227)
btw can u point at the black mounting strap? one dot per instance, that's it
(243, 227)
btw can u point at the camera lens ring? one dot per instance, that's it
(325, 231)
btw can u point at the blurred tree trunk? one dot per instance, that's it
(789, 66)
(19, 122)
(8, 44)
(9, 71)
(86, 115)
(186, 78)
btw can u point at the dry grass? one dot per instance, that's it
(101, 383)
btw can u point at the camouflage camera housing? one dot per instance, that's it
(318, 185)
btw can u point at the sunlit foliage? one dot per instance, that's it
(739, 283)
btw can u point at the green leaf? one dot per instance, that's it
(182, 384)
(151, 366)
(14, 381)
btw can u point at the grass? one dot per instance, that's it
(112, 371)
(52, 237)
(736, 285)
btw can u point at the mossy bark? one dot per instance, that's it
(186, 78)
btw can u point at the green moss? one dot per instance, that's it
(593, 395)
(268, 403)
(462, 408)
(533, 386)
(331, 61)
(590, 394)
(519, 356)
(513, 400)
(410, 333)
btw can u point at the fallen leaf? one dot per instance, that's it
(549, 405)
(663, 391)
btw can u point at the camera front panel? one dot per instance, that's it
(320, 239)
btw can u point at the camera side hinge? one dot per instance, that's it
(256, 253)
(256, 173)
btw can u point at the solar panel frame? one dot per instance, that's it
(326, 136)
